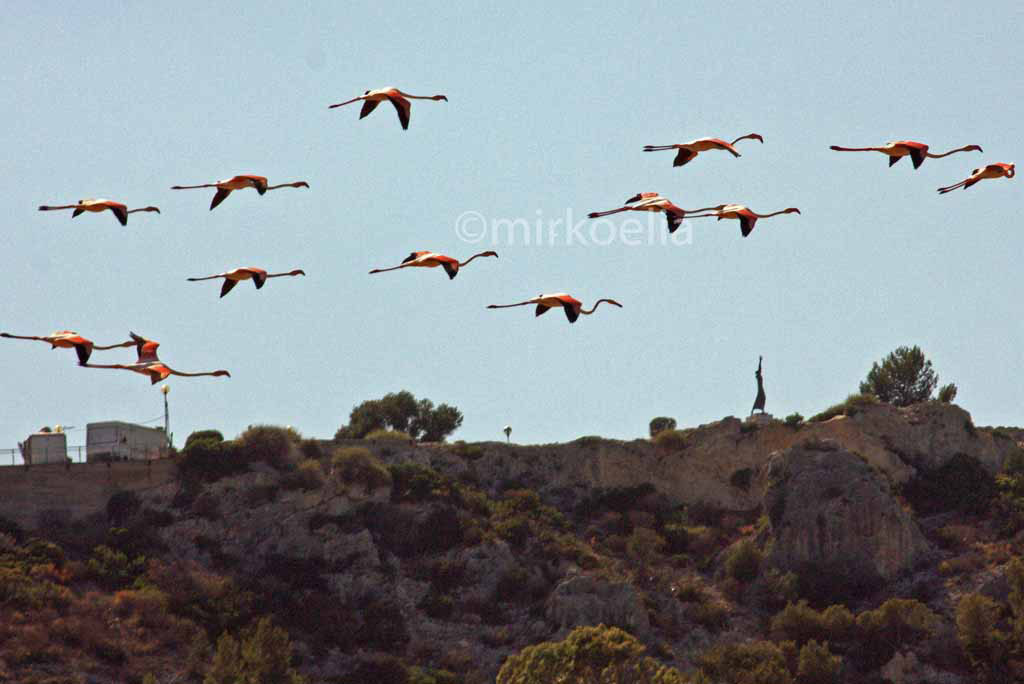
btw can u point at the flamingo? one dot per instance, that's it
(433, 259)
(688, 151)
(572, 306)
(746, 217)
(901, 148)
(119, 210)
(258, 276)
(372, 98)
(989, 171)
(652, 201)
(68, 339)
(148, 363)
(226, 186)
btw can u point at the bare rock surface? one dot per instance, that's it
(829, 508)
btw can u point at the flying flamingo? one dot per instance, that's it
(68, 339)
(746, 217)
(573, 307)
(652, 201)
(688, 151)
(226, 186)
(901, 148)
(258, 276)
(372, 98)
(97, 205)
(148, 364)
(989, 171)
(433, 259)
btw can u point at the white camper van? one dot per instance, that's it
(114, 440)
(45, 447)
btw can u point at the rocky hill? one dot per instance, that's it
(718, 549)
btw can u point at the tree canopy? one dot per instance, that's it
(402, 412)
(904, 377)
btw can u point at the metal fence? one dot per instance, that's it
(78, 454)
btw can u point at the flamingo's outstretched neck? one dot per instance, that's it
(837, 148)
(342, 104)
(217, 373)
(193, 187)
(481, 254)
(966, 148)
(748, 136)
(21, 337)
(296, 184)
(598, 303)
(791, 210)
(507, 306)
(296, 272)
(596, 214)
(129, 343)
(655, 148)
(423, 97)
(63, 206)
(383, 270)
(132, 211)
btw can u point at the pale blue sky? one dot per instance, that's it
(549, 108)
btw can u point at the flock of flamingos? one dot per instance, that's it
(148, 364)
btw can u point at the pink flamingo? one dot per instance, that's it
(372, 98)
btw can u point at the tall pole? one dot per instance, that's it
(167, 417)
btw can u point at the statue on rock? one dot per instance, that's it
(759, 401)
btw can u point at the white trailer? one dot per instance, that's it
(45, 447)
(115, 440)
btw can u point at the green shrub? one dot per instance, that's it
(976, 619)
(644, 545)
(357, 466)
(794, 420)
(114, 569)
(947, 393)
(262, 656)
(209, 459)
(308, 475)
(897, 622)
(751, 662)
(817, 665)
(853, 404)
(660, 424)
(388, 435)
(271, 444)
(470, 452)
(414, 482)
(587, 654)
(671, 440)
(422, 675)
(743, 562)
(214, 435)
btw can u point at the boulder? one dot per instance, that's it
(830, 509)
(585, 600)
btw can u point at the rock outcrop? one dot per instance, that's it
(830, 509)
(588, 600)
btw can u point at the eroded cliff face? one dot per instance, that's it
(829, 508)
(722, 463)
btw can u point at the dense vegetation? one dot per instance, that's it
(157, 590)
